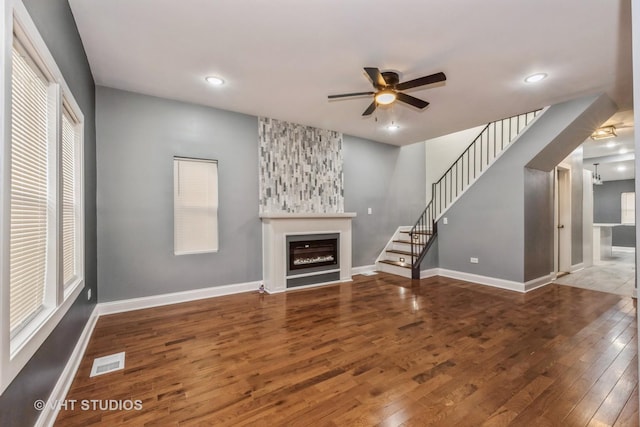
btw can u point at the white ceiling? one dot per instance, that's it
(281, 58)
(615, 156)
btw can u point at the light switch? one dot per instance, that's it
(369, 211)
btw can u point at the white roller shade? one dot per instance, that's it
(195, 206)
(29, 191)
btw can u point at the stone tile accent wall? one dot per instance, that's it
(300, 168)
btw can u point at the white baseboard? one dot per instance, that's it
(539, 282)
(576, 267)
(484, 280)
(175, 298)
(623, 249)
(424, 274)
(490, 281)
(50, 412)
(363, 269)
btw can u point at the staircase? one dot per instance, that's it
(406, 249)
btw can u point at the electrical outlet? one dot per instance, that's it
(473, 260)
(445, 221)
(369, 211)
(89, 295)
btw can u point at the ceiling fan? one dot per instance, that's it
(388, 89)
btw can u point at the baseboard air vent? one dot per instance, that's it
(106, 364)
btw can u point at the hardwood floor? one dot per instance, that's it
(381, 350)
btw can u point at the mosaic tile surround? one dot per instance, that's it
(300, 168)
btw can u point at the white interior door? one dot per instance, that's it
(587, 219)
(563, 219)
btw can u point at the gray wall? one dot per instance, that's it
(538, 220)
(390, 181)
(607, 207)
(56, 25)
(431, 258)
(138, 136)
(539, 223)
(488, 221)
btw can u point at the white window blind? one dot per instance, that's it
(628, 208)
(29, 190)
(69, 197)
(41, 140)
(195, 206)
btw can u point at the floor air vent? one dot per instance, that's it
(369, 273)
(106, 364)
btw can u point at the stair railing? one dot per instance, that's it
(421, 237)
(484, 149)
(473, 161)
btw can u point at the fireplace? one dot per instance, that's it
(279, 229)
(312, 258)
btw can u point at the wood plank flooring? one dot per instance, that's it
(382, 350)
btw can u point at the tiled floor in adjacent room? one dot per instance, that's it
(615, 274)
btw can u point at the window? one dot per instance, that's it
(628, 208)
(41, 260)
(30, 190)
(195, 184)
(71, 184)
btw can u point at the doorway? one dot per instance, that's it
(562, 259)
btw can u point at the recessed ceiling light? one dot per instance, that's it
(215, 80)
(533, 78)
(393, 127)
(621, 168)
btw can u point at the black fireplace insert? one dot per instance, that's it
(309, 253)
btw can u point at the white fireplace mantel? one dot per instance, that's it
(277, 226)
(307, 215)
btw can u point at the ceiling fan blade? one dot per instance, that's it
(426, 80)
(370, 109)
(376, 77)
(411, 100)
(344, 95)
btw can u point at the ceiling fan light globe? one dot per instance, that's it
(385, 97)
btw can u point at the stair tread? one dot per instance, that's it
(408, 242)
(396, 263)
(396, 251)
(428, 233)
